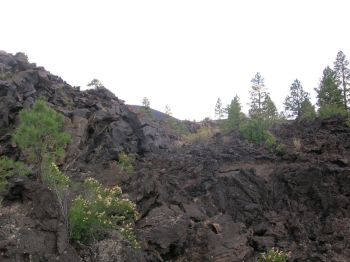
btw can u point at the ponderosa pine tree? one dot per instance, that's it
(342, 73)
(95, 83)
(41, 135)
(219, 111)
(295, 99)
(307, 110)
(234, 114)
(269, 110)
(257, 95)
(146, 103)
(330, 99)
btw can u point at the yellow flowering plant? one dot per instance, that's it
(274, 255)
(100, 210)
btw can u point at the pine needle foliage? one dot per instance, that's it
(41, 135)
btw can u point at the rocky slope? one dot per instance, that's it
(216, 200)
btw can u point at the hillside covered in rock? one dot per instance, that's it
(218, 199)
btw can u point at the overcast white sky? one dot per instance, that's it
(183, 53)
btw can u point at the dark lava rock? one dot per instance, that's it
(32, 228)
(216, 200)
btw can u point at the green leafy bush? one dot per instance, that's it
(8, 168)
(254, 130)
(270, 141)
(274, 255)
(126, 163)
(272, 145)
(100, 210)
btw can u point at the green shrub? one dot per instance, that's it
(272, 145)
(8, 168)
(332, 110)
(307, 110)
(274, 255)
(202, 135)
(59, 184)
(280, 149)
(254, 130)
(270, 141)
(100, 210)
(53, 178)
(177, 127)
(126, 163)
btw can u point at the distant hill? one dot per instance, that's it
(157, 115)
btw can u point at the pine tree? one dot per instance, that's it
(269, 110)
(257, 95)
(146, 107)
(234, 114)
(295, 99)
(342, 72)
(95, 83)
(41, 135)
(307, 110)
(330, 99)
(146, 103)
(219, 111)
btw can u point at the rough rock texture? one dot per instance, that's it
(216, 200)
(226, 201)
(32, 228)
(101, 127)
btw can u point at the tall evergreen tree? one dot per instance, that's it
(234, 114)
(257, 95)
(146, 106)
(219, 111)
(342, 73)
(328, 92)
(269, 110)
(295, 99)
(307, 110)
(145, 103)
(330, 99)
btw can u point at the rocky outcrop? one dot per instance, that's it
(227, 201)
(101, 125)
(32, 227)
(216, 200)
